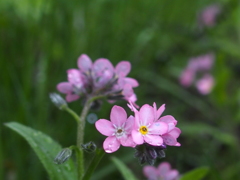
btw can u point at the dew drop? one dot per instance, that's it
(108, 150)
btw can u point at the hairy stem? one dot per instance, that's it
(80, 137)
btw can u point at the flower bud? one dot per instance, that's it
(58, 100)
(146, 153)
(89, 147)
(63, 156)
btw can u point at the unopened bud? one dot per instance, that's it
(63, 156)
(89, 147)
(58, 100)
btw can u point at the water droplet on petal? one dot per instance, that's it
(108, 150)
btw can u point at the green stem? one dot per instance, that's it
(70, 111)
(80, 137)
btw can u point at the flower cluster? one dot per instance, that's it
(163, 172)
(99, 79)
(146, 127)
(201, 64)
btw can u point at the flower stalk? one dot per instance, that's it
(80, 137)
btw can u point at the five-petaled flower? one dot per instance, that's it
(118, 130)
(146, 129)
(162, 172)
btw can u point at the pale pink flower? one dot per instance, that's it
(118, 130)
(145, 128)
(170, 137)
(162, 172)
(205, 84)
(187, 77)
(99, 79)
(208, 15)
(199, 65)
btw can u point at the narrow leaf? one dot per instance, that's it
(97, 158)
(46, 149)
(196, 174)
(126, 173)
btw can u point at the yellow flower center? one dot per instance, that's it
(143, 130)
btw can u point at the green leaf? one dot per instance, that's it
(196, 174)
(46, 149)
(126, 173)
(97, 158)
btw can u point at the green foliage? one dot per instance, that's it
(196, 174)
(41, 39)
(126, 173)
(46, 149)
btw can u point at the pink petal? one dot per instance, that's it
(102, 64)
(169, 140)
(150, 172)
(171, 175)
(132, 107)
(74, 77)
(118, 116)
(72, 97)
(131, 81)
(201, 63)
(160, 110)
(111, 144)
(168, 119)
(205, 84)
(187, 77)
(105, 127)
(137, 137)
(65, 87)
(154, 140)
(129, 124)
(158, 128)
(84, 63)
(175, 132)
(127, 141)
(127, 90)
(158, 113)
(163, 168)
(146, 115)
(177, 144)
(123, 68)
(133, 99)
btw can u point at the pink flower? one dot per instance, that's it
(201, 64)
(187, 77)
(170, 137)
(145, 128)
(118, 130)
(163, 172)
(208, 15)
(99, 79)
(205, 84)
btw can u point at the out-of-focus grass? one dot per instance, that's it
(41, 40)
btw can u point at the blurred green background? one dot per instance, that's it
(41, 39)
